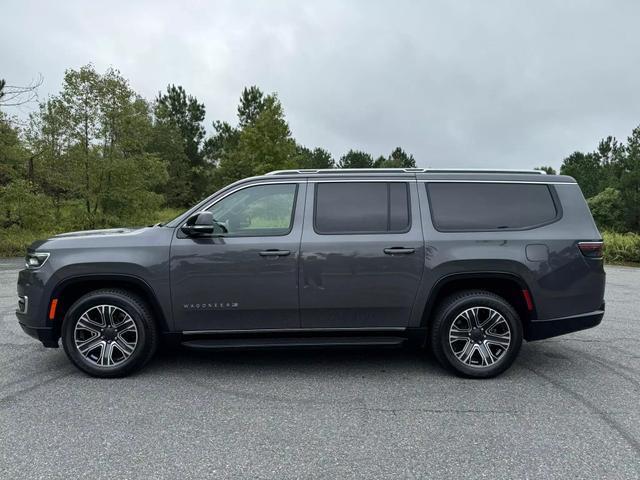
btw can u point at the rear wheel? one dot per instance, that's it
(476, 334)
(109, 333)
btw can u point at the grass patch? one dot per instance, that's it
(14, 243)
(622, 248)
(167, 214)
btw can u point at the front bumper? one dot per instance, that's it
(34, 292)
(47, 335)
(541, 329)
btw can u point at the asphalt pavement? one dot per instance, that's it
(568, 408)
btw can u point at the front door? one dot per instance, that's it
(246, 278)
(362, 254)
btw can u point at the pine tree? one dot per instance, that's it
(356, 159)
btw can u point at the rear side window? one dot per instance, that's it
(361, 207)
(490, 206)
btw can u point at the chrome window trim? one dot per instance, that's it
(495, 181)
(363, 180)
(404, 180)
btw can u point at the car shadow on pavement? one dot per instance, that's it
(549, 357)
(329, 359)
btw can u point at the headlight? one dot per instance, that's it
(36, 259)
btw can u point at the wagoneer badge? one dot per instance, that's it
(210, 306)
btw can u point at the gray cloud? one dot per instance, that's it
(491, 84)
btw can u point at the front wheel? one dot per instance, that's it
(109, 333)
(476, 334)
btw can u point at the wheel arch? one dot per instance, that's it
(508, 285)
(71, 289)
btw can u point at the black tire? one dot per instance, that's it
(146, 333)
(456, 308)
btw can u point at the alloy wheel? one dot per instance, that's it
(105, 335)
(479, 337)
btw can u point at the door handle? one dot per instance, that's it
(274, 253)
(399, 251)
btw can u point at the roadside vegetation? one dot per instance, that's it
(99, 155)
(622, 248)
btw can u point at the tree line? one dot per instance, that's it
(98, 154)
(609, 178)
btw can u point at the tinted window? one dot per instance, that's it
(257, 211)
(361, 207)
(489, 206)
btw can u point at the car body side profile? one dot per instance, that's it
(464, 263)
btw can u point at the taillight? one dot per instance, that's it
(591, 249)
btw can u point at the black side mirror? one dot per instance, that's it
(201, 223)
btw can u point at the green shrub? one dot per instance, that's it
(70, 216)
(607, 209)
(14, 242)
(167, 214)
(621, 247)
(23, 207)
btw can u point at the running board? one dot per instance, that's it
(249, 343)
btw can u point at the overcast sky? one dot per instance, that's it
(457, 83)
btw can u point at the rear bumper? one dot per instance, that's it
(541, 329)
(48, 336)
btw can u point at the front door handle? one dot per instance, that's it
(399, 251)
(274, 253)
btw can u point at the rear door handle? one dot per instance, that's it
(399, 251)
(274, 253)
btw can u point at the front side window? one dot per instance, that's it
(261, 210)
(361, 207)
(490, 206)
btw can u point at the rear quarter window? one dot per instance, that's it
(491, 206)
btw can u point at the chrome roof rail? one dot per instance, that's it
(401, 170)
(347, 170)
(484, 170)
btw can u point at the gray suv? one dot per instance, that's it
(463, 263)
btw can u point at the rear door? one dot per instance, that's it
(362, 253)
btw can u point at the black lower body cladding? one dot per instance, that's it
(541, 329)
(47, 335)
